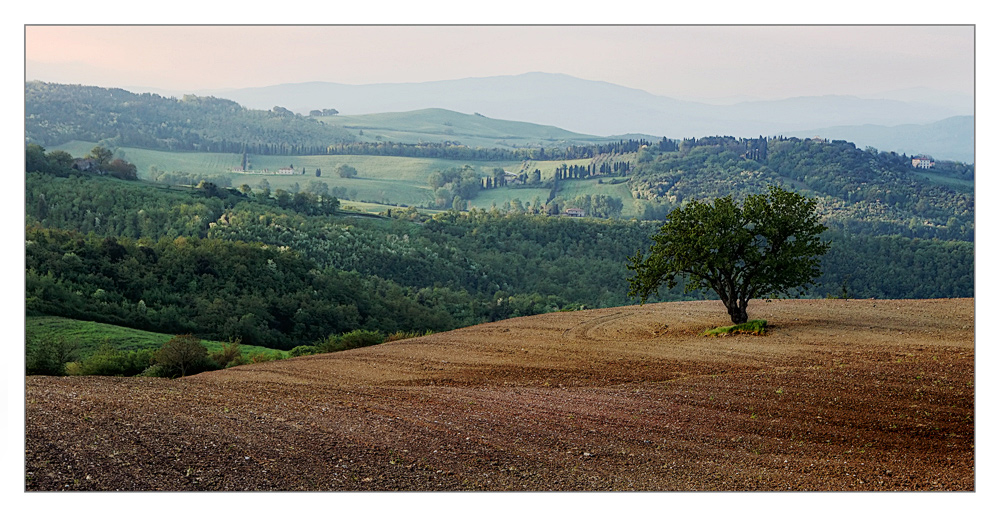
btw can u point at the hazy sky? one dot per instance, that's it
(686, 62)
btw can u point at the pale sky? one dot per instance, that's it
(686, 62)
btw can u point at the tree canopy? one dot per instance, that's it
(181, 353)
(768, 246)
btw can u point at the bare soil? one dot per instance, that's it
(840, 395)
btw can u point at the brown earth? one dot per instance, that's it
(856, 395)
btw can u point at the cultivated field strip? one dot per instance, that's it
(840, 395)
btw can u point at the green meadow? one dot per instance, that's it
(381, 180)
(90, 336)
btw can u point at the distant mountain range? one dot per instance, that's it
(601, 108)
(949, 139)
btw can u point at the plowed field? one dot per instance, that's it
(856, 395)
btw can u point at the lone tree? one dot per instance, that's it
(181, 353)
(346, 171)
(768, 246)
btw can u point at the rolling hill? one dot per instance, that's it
(439, 125)
(950, 139)
(554, 111)
(601, 108)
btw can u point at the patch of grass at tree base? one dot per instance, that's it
(752, 327)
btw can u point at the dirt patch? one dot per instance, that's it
(840, 395)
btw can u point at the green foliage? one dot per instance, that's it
(752, 327)
(598, 205)
(261, 294)
(48, 356)
(401, 335)
(452, 186)
(157, 370)
(360, 338)
(183, 354)
(230, 355)
(264, 357)
(110, 361)
(891, 266)
(769, 245)
(59, 163)
(345, 171)
(354, 339)
(100, 154)
(302, 350)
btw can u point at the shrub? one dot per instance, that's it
(110, 361)
(353, 339)
(303, 350)
(360, 338)
(49, 356)
(399, 335)
(264, 357)
(329, 344)
(229, 356)
(156, 370)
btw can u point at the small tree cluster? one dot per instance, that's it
(49, 356)
(345, 171)
(182, 354)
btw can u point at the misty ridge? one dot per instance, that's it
(911, 121)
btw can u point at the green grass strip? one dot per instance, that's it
(753, 327)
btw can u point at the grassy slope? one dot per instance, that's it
(91, 336)
(955, 183)
(438, 125)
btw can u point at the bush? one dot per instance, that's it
(49, 356)
(229, 356)
(360, 338)
(399, 335)
(157, 370)
(302, 350)
(264, 357)
(353, 339)
(110, 361)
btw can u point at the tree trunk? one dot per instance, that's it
(737, 314)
